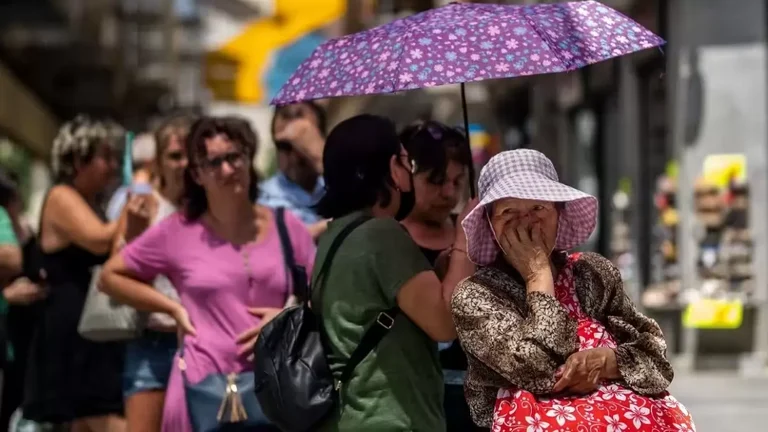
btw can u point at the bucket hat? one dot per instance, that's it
(527, 174)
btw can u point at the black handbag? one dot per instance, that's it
(294, 384)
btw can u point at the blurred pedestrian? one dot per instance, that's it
(223, 255)
(378, 276)
(441, 161)
(299, 134)
(22, 296)
(10, 252)
(143, 151)
(149, 358)
(70, 379)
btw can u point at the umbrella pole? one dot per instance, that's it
(472, 181)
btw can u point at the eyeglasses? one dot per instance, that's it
(234, 159)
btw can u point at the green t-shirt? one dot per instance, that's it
(7, 234)
(7, 238)
(399, 385)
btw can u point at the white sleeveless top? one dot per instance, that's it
(159, 320)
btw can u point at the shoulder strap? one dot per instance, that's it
(294, 274)
(322, 274)
(384, 320)
(371, 338)
(285, 238)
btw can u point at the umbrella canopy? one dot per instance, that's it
(464, 42)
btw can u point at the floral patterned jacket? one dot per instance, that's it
(515, 339)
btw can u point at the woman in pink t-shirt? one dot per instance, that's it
(223, 255)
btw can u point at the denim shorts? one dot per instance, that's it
(148, 362)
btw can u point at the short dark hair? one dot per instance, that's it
(240, 133)
(317, 110)
(356, 165)
(432, 145)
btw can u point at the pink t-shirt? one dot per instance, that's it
(214, 285)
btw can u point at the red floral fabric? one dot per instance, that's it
(612, 408)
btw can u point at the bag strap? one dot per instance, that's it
(293, 273)
(377, 331)
(368, 343)
(323, 273)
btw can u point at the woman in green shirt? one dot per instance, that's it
(399, 385)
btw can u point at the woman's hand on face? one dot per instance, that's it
(524, 247)
(585, 370)
(140, 210)
(247, 339)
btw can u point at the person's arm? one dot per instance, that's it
(74, 219)
(126, 285)
(119, 241)
(10, 252)
(318, 228)
(524, 347)
(10, 261)
(407, 279)
(127, 275)
(641, 352)
(305, 138)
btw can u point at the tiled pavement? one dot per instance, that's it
(724, 402)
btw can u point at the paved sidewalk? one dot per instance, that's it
(724, 402)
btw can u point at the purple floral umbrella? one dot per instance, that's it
(465, 42)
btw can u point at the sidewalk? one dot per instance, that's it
(724, 402)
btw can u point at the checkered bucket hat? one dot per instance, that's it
(527, 174)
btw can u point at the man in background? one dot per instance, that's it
(298, 131)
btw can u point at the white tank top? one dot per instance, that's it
(158, 320)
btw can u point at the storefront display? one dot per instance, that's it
(725, 244)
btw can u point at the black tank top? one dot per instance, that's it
(452, 358)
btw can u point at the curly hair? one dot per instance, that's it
(77, 142)
(238, 131)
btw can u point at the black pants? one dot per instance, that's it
(457, 416)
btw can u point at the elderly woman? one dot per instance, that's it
(553, 341)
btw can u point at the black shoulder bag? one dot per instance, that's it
(294, 384)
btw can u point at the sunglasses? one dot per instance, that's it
(234, 159)
(283, 145)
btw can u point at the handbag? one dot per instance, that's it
(221, 400)
(294, 384)
(105, 320)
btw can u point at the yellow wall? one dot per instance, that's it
(23, 117)
(252, 48)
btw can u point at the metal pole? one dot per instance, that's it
(472, 179)
(679, 60)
